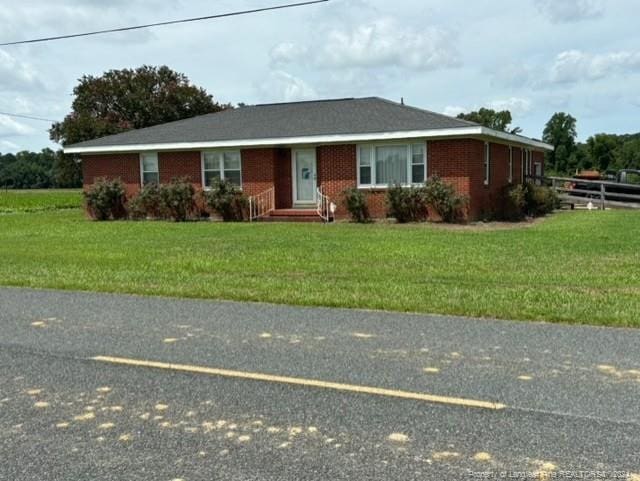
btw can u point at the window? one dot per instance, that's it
(149, 168)
(384, 165)
(510, 164)
(487, 162)
(224, 165)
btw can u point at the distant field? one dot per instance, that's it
(580, 267)
(37, 200)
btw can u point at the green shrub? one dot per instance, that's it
(106, 199)
(541, 200)
(227, 200)
(355, 201)
(147, 204)
(513, 207)
(178, 199)
(444, 199)
(406, 204)
(527, 200)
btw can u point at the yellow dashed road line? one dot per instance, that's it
(376, 391)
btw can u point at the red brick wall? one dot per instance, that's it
(258, 170)
(336, 166)
(537, 156)
(517, 165)
(180, 164)
(283, 180)
(126, 167)
(457, 161)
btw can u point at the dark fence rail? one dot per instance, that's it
(599, 192)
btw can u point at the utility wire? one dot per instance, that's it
(26, 117)
(170, 22)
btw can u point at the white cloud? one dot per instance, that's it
(7, 145)
(565, 11)
(282, 86)
(454, 110)
(384, 42)
(9, 126)
(575, 65)
(15, 74)
(517, 106)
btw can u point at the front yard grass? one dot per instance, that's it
(579, 267)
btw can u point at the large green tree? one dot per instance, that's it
(560, 131)
(121, 100)
(497, 120)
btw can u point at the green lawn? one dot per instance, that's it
(39, 200)
(575, 266)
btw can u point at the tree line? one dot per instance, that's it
(121, 100)
(601, 152)
(39, 170)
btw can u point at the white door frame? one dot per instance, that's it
(294, 176)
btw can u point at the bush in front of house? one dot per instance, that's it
(443, 199)
(355, 200)
(406, 204)
(540, 200)
(178, 199)
(227, 200)
(527, 200)
(106, 200)
(147, 204)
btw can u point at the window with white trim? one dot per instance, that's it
(510, 164)
(221, 164)
(487, 162)
(384, 165)
(149, 168)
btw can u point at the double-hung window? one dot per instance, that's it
(149, 168)
(510, 164)
(384, 165)
(221, 164)
(487, 162)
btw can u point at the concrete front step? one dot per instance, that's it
(292, 215)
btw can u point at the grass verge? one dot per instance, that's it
(579, 267)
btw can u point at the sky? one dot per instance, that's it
(533, 57)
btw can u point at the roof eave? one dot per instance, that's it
(471, 131)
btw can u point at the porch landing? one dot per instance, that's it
(296, 214)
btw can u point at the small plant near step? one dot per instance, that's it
(355, 201)
(106, 200)
(227, 200)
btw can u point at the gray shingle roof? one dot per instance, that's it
(296, 119)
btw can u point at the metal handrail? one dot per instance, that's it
(262, 204)
(323, 206)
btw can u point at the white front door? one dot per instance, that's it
(304, 176)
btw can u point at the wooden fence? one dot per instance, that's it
(599, 192)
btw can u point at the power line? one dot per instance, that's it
(170, 22)
(26, 117)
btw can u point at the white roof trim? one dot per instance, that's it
(314, 139)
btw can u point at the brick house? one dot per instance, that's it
(289, 155)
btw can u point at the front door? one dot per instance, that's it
(304, 176)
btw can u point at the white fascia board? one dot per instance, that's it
(516, 139)
(311, 139)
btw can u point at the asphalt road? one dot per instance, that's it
(571, 394)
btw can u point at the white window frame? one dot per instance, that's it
(372, 149)
(142, 171)
(510, 164)
(221, 165)
(487, 163)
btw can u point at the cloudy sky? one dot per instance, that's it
(534, 57)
